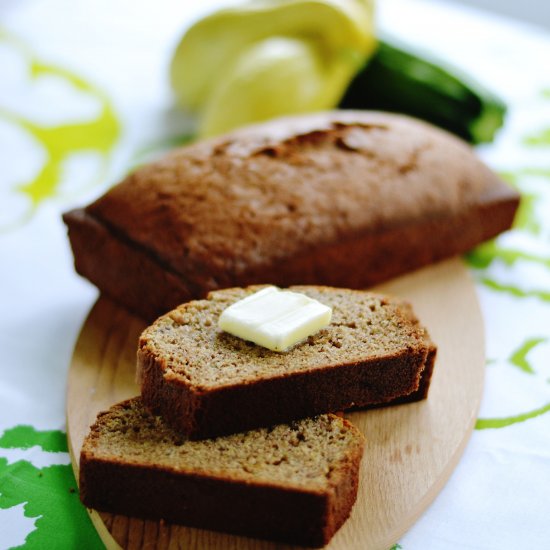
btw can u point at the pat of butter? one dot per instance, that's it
(275, 319)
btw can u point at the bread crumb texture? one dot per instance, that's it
(305, 454)
(189, 344)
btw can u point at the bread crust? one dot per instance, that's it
(128, 275)
(423, 386)
(276, 511)
(347, 199)
(236, 408)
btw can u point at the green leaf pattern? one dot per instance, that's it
(48, 494)
(517, 265)
(60, 141)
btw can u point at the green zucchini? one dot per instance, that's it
(403, 81)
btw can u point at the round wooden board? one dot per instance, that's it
(411, 449)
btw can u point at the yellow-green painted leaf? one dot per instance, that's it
(519, 357)
(59, 142)
(495, 423)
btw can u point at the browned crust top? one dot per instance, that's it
(218, 209)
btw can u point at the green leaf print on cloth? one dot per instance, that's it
(56, 142)
(519, 359)
(543, 295)
(540, 137)
(48, 493)
(517, 264)
(25, 437)
(486, 423)
(527, 244)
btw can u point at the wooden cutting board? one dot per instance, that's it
(411, 449)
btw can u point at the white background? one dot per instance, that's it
(532, 11)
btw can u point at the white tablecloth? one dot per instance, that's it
(84, 96)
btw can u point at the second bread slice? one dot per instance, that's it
(206, 382)
(294, 483)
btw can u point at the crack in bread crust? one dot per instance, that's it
(346, 199)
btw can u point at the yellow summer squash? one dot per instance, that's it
(268, 58)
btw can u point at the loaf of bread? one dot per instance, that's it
(294, 483)
(344, 198)
(205, 382)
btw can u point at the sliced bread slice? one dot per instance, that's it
(294, 483)
(206, 382)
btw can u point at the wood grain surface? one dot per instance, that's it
(411, 449)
